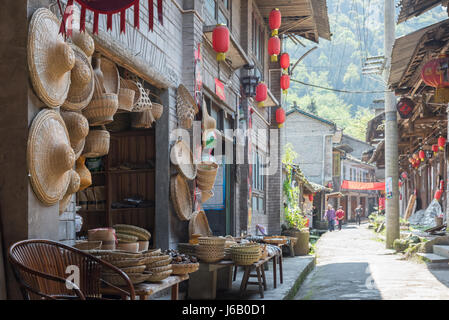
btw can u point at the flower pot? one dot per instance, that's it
(301, 246)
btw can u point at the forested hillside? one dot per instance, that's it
(357, 33)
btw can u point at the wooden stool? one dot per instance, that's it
(261, 280)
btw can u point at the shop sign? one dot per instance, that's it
(219, 89)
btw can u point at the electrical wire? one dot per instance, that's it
(337, 90)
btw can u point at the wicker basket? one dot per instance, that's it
(246, 253)
(101, 109)
(181, 197)
(97, 144)
(156, 107)
(125, 97)
(128, 270)
(117, 280)
(115, 255)
(206, 174)
(211, 258)
(217, 241)
(182, 157)
(242, 259)
(124, 263)
(88, 245)
(199, 224)
(185, 268)
(155, 277)
(132, 85)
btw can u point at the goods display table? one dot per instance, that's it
(204, 283)
(144, 290)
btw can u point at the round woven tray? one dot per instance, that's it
(155, 277)
(117, 280)
(181, 197)
(185, 268)
(115, 255)
(128, 270)
(159, 269)
(182, 157)
(151, 253)
(124, 263)
(159, 263)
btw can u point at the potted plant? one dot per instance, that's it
(296, 222)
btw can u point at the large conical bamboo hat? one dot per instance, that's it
(50, 157)
(50, 59)
(78, 128)
(82, 82)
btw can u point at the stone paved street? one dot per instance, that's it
(351, 264)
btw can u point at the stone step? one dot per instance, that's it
(441, 250)
(433, 258)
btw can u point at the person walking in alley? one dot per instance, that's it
(340, 214)
(330, 216)
(358, 214)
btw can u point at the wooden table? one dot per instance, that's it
(204, 283)
(146, 289)
(260, 274)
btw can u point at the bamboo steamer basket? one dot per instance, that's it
(184, 268)
(182, 157)
(97, 144)
(181, 197)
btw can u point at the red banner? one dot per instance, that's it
(355, 185)
(219, 89)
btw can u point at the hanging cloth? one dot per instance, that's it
(109, 8)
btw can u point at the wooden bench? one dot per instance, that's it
(260, 274)
(209, 278)
(146, 289)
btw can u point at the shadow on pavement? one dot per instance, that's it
(340, 281)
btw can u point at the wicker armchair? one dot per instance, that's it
(42, 268)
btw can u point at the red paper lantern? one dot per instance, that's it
(274, 20)
(285, 83)
(261, 93)
(441, 143)
(311, 197)
(438, 195)
(220, 41)
(274, 48)
(405, 107)
(280, 116)
(284, 61)
(404, 175)
(435, 149)
(421, 155)
(432, 72)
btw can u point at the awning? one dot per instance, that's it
(334, 195)
(355, 185)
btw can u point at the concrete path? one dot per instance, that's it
(352, 264)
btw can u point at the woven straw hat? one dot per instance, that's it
(78, 128)
(73, 187)
(50, 156)
(50, 59)
(82, 82)
(182, 158)
(181, 197)
(85, 42)
(97, 144)
(84, 173)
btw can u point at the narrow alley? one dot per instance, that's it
(352, 264)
